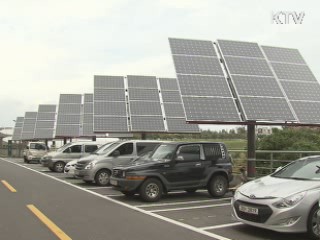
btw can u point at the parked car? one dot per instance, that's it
(34, 151)
(71, 166)
(99, 169)
(285, 201)
(176, 166)
(57, 160)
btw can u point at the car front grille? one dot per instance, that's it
(80, 166)
(264, 212)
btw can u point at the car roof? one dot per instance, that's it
(184, 143)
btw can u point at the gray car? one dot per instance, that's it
(285, 201)
(98, 169)
(57, 160)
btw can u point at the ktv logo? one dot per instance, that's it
(287, 17)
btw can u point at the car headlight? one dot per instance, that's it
(236, 194)
(90, 165)
(290, 201)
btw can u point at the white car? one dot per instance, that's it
(285, 201)
(69, 168)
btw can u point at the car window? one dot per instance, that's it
(40, 147)
(125, 149)
(32, 146)
(90, 148)
(189, 153)
(145, 147)
(73, 149)
(213, 152)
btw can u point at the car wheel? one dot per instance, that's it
(191, 190)
(218, 186)
(313, 228)
(102, 177)
(128, 193)
(59, 167)
(151, 190)
(51, 169)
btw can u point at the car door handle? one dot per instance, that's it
(198, 165)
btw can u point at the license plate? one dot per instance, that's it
(250, 210)
(114, 182)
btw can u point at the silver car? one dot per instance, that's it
(285, 201)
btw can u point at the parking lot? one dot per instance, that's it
(196, 211)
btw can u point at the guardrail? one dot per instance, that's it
(267, 160)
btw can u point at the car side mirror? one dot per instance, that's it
(68, 150)
(116, 153)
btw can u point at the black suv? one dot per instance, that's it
(176, 166)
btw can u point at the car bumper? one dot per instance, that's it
(45, 162)
(69, 172)
(122, 184)
(85, 174)
(280, 220)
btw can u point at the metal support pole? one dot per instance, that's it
(143, 136)
(94, 138)
(251, 134)
(64, 141)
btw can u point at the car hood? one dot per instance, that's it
(272, 187)
(88, 159)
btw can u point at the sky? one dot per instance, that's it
(50, 47)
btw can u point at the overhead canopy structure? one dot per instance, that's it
(242, 82)
(138, 104)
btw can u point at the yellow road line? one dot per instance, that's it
(54, 228)
(5, 183)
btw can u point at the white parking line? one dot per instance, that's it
(113, 195)
(181, 203)
(188, 208)
(94, 188)
(169, 220)
(222, 226)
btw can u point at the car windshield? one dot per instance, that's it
(164, 151)
(104, 148)
(303, 169)
(61, 149)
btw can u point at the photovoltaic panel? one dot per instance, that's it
(69, 115)
(111, 124)
(298, 82)
(147, 124)
(191, 47)
(46, 120)
(16, 136)
(109, 105)
(171, 96)
(272, 109)
(135, 81)
(285, 55)
(144, 94)
(174, 110)
(143, 108)
(168, 84)
(254, 83)
(29, 124)
(87, 125)
(201, 80)
(179, 125)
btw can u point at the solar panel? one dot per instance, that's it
(16, 136)
(87, 123)
(69, 115)
(298, 82)
(267, 109)
(143, 108)
(179, 125)
(171, 96)
(46, 120)
(144, 94)
(201, 80)
(135, 81)
(286, 55)
(236, 48)
(109, 104)
(174, 110)
(147, 124)
(168, 84)
(29, 125)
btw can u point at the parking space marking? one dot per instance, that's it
(181, 203)
(46, 221)
(222, 226)
(166, 219)
(8, 186)
(189, 208)
(97, 188)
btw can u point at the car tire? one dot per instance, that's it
(191, 190)
(218, 186)
(129, 193)
(102, 177)
(151, 190)
(312, 226)
(51, 169)
(59, 167)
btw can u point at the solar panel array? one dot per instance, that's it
(87, 123)
(298, 82)
(45, 123)
(69, 115)
(153, 105)
(29, 124)
(269, 84)
(202, 83)
(17, 130)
